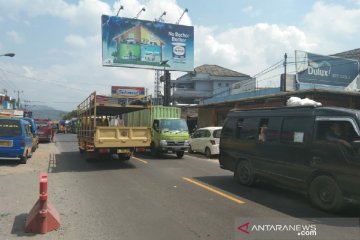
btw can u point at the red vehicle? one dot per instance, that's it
(45, 130)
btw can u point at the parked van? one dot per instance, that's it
(34, 132)
(15, 139)
(314, 150)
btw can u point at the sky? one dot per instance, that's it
(58, 46)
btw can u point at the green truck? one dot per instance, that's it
(169, 133)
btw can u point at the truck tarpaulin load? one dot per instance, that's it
(101, 131)
(169, 133)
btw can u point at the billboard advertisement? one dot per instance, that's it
(127, 92)
(325, 70)
(128, 42)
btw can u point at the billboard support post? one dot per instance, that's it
(166, 78)
(167, 87)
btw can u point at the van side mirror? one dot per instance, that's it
(156, 127)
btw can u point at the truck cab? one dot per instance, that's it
(170, 134)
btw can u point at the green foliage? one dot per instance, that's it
(70, 115)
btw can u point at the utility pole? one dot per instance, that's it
(18, 98)
(284, 78)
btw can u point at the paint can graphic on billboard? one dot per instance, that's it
(179, 52)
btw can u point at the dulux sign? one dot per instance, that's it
(326, 70)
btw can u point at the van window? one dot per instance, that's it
(239, 127)
(10, 128)
(296, 130)
(263, 127)
(273, 129)
(28, 130)
(247, 128)
(345, 130)
(229, 127)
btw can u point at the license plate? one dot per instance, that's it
(123, 151)
(6, 143)
(40, 132)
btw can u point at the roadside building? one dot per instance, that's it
(206, 81)
(332, 80)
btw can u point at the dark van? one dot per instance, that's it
(314, 150)
(15, 139)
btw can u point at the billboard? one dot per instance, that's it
(128, 42)
(127, 92)
(325, 70)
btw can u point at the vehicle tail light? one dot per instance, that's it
(212, 142)
(104, 150)
(22, 143)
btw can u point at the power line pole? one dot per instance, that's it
(18, 98)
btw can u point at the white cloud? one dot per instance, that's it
(86, 13)
(334, 25)
(249, 49)
(332, 19)
(15, 36)
(76, 41)
(249, 10)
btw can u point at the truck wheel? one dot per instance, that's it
(23, 159)
(153, 150)
(325, 194)
(208, 152)
(244, 173)
(81, 151)
(180, 154)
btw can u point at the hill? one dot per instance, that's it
(42, 111)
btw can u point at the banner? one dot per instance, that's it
(127, 92)
(325, 70)
(128, 42)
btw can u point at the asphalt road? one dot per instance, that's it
(146, 198)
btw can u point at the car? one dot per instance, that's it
(34, 133)
(297, 148)
(206, 140)
(16, 139)
(45, 130)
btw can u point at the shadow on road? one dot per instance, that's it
(18, 227)
(164, 156)
(74, 162)
(285, 201)
(9, 163)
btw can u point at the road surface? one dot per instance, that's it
(146, 198)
